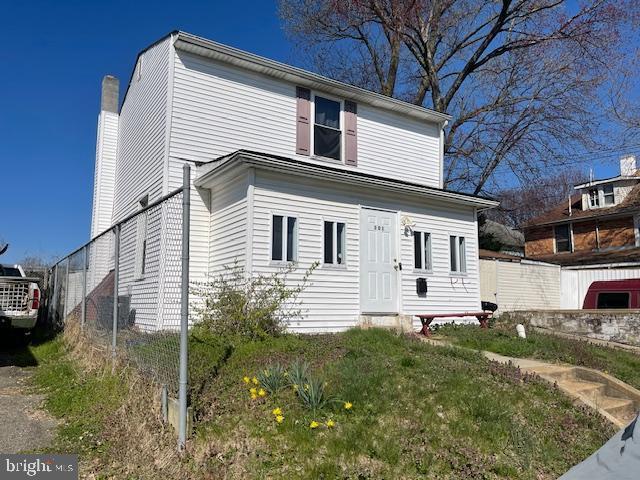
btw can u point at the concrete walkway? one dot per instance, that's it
(612, 398)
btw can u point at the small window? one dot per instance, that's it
(563, 238)
(334, 243)
(327, 135)
(141, 237)
(422, 251)
(613, 300)
(284, 239)
(594, 198)
(139, 68)
(609, 197)
(457, 254)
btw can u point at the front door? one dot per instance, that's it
(378, 265)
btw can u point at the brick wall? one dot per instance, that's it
(538, 241)
(618, 232)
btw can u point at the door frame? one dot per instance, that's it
(397, 255)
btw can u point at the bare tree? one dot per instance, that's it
(518, 205)
(521, 78)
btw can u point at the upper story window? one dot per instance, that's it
(594, 198)
(562, 235)
(609, 196)
(327, 134)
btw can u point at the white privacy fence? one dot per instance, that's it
(529, 285)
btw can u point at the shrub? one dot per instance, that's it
(254, 306)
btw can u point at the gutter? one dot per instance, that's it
(342, 176)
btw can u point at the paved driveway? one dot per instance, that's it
(23, 423)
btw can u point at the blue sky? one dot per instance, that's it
(53, 59)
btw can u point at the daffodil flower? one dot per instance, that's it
(262, 392)
(253, 391)
(314, 424)
(254, 380)
(279, 418)
(348, 405)
(277, 411)
(331, 424)
(246, 379)
(253, 396)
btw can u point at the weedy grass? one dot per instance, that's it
(502, 339)
(417, 411)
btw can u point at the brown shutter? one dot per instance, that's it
(303, 129)
(351, 133)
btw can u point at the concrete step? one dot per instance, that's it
(618, 407)
(581, 387)
(555, 373)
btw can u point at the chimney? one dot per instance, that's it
(628, 166)
(106, 151)
(110, 91)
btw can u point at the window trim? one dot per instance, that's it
(312, 124)
(142, 228)
(570, 238)
(334, 235)
(423, 235)
(459, 271)
(285, 216)
(596, 197)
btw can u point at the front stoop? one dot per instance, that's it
(399, 323)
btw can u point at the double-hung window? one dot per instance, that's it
(327, 133)
(334, 243)
(609, 196)
(284, 239)
(562, 235)
(422, 251)
(458, 254)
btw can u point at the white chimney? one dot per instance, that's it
(628, 166)
(106, 148)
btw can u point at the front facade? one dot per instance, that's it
(290, 168)
(599, 224)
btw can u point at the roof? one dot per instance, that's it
(506, 235)
(343, 175)
(606, 180)
(560, 213)
(189, 42)
(627, 255)
(491, 255)
(208, 48)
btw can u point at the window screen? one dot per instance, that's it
(326, 131)
(613, 300)
(563, 238)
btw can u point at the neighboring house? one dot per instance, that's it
(289, 167)
(501, 238)
(598, 225)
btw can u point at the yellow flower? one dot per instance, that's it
(254, 380)
(246, 379)
(279, 418)
(261, 392)
(314, 424)
(253, 391)
(253, 396)
(295, 387)
(286, 374)
(276, 411)
(331, 424)
(348, 405)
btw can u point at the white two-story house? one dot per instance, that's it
(288, 167)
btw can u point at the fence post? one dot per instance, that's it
(83, 314)
(184, 305)
(116, 279)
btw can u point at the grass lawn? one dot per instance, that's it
(502, 339)
(418, 411)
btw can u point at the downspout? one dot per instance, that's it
(441, 159)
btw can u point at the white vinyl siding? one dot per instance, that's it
(219, 108)
(331, 301)
(105, 172)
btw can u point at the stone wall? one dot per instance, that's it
(612, 325)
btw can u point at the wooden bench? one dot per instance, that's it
(427, 318)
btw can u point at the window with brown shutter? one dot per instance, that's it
(303, 112)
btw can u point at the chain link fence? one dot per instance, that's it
(127, 288)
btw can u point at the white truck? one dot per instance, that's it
(19, 298)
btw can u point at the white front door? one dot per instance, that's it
(378, 265)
